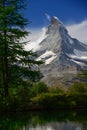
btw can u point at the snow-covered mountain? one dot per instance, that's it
(63, 55)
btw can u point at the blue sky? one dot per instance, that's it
(66, 10)
(73, 14)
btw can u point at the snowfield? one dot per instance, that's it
(48, 57)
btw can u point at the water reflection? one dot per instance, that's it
(44, 121)
(57, 126)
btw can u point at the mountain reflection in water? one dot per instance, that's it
(58, 126)
(44, 121)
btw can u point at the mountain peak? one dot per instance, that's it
(62, 55)
(55, 20)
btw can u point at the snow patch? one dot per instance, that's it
(80, 53)
(48, 57)
(77, 62)
(70, 40)
(56, 18)
(78, 57)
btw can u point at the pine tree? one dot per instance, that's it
(15, 62)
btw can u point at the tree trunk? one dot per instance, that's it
(5, 77)
(5, 65)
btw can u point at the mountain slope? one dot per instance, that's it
(63, 55)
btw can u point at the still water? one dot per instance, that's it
(60, 120)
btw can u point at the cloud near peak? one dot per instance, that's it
(78, 31)
(48, 17)
(37, 35)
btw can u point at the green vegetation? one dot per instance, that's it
(38, 88)
(41, 97)
(56, 98)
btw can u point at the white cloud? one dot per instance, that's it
(48, 17)
(36, 36)
(78, 31)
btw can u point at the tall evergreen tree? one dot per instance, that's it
(15, 62)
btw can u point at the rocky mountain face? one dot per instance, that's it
(63, 55)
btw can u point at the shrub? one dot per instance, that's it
(39, 88)
(78, 88)
(56, 90)
(52, 101)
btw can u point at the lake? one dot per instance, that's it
(53, 120)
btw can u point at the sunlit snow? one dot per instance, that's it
(49, 55)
